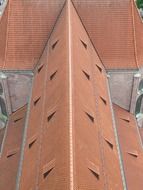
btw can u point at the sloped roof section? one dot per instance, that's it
(47, 142)
(109, 24)
(93, 128)
(67, 152)
(10, 155)
(28, 29)
(131, 147)
(138, 29)
(69, 139)
(3, 32)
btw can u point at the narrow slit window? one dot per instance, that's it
(53, 75)
(40, 68)
(94, 173)
(55, 44)
(18, 119)
(103, 100)
(48, 168)
(126, 120)
(134, 154)
(94, 169)
(51, 116)
(99, 68)
(32, 143)
(36, 101)
(11, 153)
(47, 173)
(87, 75)
(90, 117)
(109, 143)
(84, 44)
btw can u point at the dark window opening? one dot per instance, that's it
(90, 117)
(16, 120)
(51, 116)
(84, 44)
(99, 68)
(109, 143)
(48, 168)
(36, 101)
(126, 120)
(133, 154)
(53, 75)
(94, 169)
(11, 153)
(55, 44)
(87, 75)
(45, 175)
(103, 100)
(40, 68)
(32, 143)
(95, 174)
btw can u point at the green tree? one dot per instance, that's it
(139, 4)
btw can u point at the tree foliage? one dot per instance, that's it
(139, 4)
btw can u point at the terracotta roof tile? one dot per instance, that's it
(29, 26)
(131, 148)
(109, 24)
(10, 155)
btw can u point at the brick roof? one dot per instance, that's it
(26, 32)
(109, 24)
(131, 147)
(10, 155)
(69, 139)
